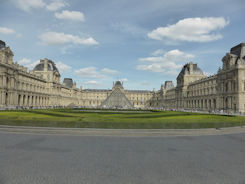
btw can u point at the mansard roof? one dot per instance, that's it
(239, 50)
(2, 44)
(68, 82)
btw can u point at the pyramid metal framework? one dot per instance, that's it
(117, 99)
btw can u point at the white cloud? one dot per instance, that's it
(56, 5)
(92, 82)
(167, 68)
(28, 63)
(124, 80)
(24, 61)
(63, 67)
(191, 29)
(109, 71)
(27, 5)
(89, 72)
(173, 55)
(70, 15)
(158, 52)
(170, 63)
(55, 38)
(5, 30)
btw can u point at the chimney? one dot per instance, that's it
(191, 67)
(2, 44)
(45, 64)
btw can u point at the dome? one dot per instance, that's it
(51, 66)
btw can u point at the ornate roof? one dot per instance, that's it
(239, 50)
(186, 69)
(51, 66)
(118, 84)
(168, 85)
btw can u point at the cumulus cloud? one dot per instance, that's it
(172, 55)
(27, 5)
(169, 63)
(89, 72)
(55, 38)
(56, 5)
(166, 68)
(191, 30)
(63, 67)
(109, 71)
(28, 63)
(70, 15)
(5, 30)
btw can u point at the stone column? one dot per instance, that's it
(4, 81)
(34, 101)
(1, 81)
(27, 100)
(4, 97)
(12, 82)
(30, 101)
(1, 97)
(38, 101)
(10, 98)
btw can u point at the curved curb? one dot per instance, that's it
(120, 132)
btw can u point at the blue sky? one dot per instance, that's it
(142, 42)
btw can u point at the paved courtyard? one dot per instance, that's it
(63, 159)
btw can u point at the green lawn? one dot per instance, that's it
(109, 119)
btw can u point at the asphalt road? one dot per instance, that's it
(67, 159)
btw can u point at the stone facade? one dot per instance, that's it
(41, 88)
(223, 92)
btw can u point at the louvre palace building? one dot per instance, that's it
(41, 88)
